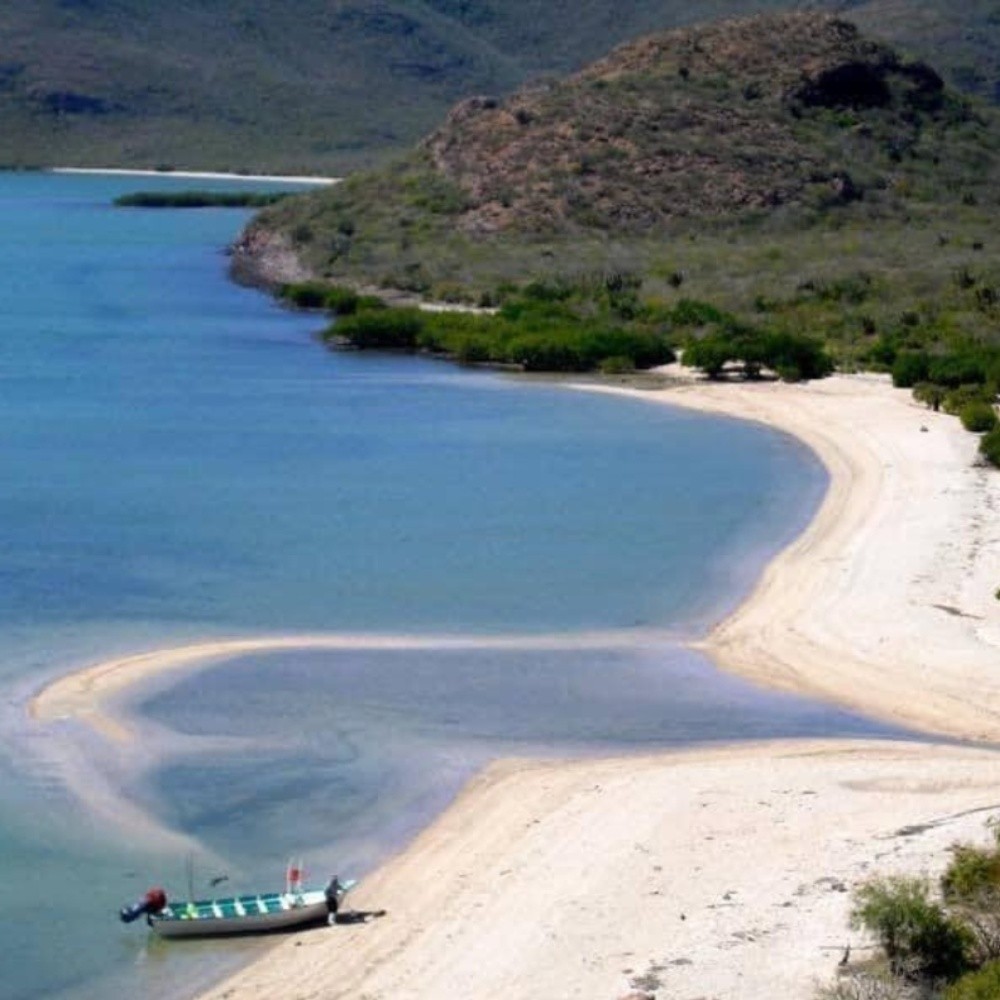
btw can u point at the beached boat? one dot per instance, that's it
(252, 914)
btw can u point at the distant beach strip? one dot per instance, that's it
(195, 175)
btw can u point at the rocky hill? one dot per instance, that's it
(707, 122)
(786, 119)
(328, 85)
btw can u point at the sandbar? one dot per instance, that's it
(86, 695)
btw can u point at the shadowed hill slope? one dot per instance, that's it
(327, 85)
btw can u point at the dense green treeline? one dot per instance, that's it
(200, 199)
(601, 322)
(548, 327)
(562, 325)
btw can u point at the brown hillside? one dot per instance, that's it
(728, 117)
(782, 121)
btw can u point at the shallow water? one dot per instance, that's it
(383, 740)
(181, 460)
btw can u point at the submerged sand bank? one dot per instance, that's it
(85, 694)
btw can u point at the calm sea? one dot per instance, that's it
(182, 460)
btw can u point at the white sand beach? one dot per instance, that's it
(196, 175)
(720, 873)
(886, 603)
(714, 874)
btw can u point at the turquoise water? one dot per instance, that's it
(182, 460)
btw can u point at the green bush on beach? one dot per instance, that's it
(934, 949)
(919, 938)
(989, 446)
(978, 416)
(334, 299)
(791, 356)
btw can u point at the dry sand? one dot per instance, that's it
(714, 874)
(727, 873)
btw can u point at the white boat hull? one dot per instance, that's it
(241, 915)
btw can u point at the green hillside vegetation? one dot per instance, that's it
(327, 86)
(788, 170)
(808, 192)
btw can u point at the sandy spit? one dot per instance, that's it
(87, 695)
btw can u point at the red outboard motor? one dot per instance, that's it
(154, 901)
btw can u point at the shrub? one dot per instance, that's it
(342, 301)
(989, 446)
(931, 395)
(909, 368)
(795, 357)
(305, 294)
(379, 330)
(882, 352)
(954, 370)
(971, 887)
(792, 356)
(470, 351)
(710, 354)
(865, 986)
(690, 312)
(918, 937)
(956, 400)
(981, 985)
(978, 417)
(555, 290)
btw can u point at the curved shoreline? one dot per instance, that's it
(723, 871)
(727, 872)
(885, 603)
